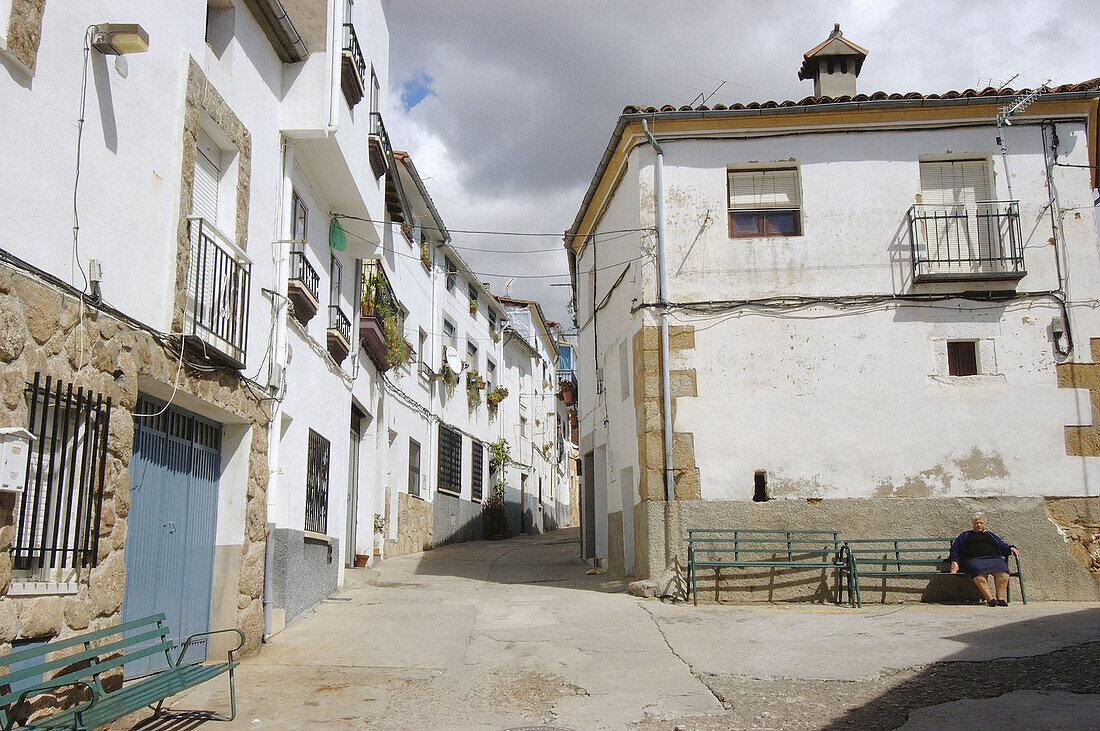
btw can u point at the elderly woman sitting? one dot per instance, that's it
(982, 553)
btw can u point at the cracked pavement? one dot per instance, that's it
(514, 634)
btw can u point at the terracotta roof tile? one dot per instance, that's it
(1089, 85)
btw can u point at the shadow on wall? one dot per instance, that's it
(976, 672)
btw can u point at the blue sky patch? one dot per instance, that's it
(415, 89)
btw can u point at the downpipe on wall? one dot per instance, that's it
(662, 302)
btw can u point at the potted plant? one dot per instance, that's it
(450, 378)
(496, 526)
(473, 307)
(494, 397)
(425, 255)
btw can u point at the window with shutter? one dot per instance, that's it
(208, 173)
(960, 222)
(765, 202)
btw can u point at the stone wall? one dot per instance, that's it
(648, 409)
(44, 329)
(24, 32)
(415, 523)
(1056, 565)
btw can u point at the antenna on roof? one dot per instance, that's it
(703, 97)
(988, 82)
(508, 286)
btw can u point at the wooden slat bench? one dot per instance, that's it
(888, 557)
(720, 548)
(82, 660)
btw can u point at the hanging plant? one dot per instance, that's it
(450, 379)
(425, 255)
(473, 307)
(398, 350)
(494, 397)
(474, 384)
(494, 335)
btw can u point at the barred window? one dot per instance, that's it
(450, 460)
(477, 472)
(56, 519)
(317, 483)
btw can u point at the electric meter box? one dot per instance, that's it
(15, 444)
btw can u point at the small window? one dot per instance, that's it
(472, 290)
(760, 487)
(449, 333)
(490, 374)
(422, 350)
(765, 203)
(414, 468)
(489, 313)
(523, 427)
(471, 355)
(335, 274)
(452, 274)
(299, 221)
(962, 357)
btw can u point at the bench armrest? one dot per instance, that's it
(48, 686)
(188, 641)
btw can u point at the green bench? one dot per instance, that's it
(78, 663)
(889, 557)
(720, 548)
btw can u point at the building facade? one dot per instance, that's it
(888, 328)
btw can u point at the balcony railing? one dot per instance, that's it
(353, 67)
(218, 282)
(567, 386)
(976, 241)
(379, 310)
(339, 333)
(303, 288)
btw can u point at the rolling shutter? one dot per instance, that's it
(208, 171)
(760, 189)
(956, 182)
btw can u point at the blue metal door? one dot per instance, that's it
(172, 523)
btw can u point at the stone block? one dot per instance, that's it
(13, 329)
(683, 383)
(683, 450)
(1078, 375)
(251, 622)
(1094, 348)
(686, 484)
(106, 584)
(41, 308)
(77, 613)
(252, 571)
(9, 620)
(1083, 441)
(5, 573)
(681, 337)
(40, 617)
(118, 535)
(243, 600)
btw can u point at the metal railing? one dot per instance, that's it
(979, 240)
(339, 322)
(218, 284)
(351, 45)
(317, 471)
(376, 297)
(567, 378)
(302, 271)
(56, 518)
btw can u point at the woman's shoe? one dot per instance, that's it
(1002, 603)
(991, 602)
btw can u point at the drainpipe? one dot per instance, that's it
(336, 27)
(280, 359)
(662, 301)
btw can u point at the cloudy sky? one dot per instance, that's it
(507, 105)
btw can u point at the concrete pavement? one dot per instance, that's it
(509, 634)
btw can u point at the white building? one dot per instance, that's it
(171, 178)
(880, 335)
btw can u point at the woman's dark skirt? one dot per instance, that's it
(983, 565)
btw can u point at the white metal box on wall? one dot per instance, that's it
(15, 443)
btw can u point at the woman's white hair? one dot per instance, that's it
(977, 515)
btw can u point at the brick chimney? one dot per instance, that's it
(834, 65)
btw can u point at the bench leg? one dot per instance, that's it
(232, 701)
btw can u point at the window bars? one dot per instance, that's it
(56, 519)
(317, 460)
(477, 472)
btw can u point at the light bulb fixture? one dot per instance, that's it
(117, 39)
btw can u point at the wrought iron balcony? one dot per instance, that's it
(353, 73)
(303, 287)
(218, 281)
(339, 333)
(567, 386)
(379, 149)
(966, 242)
(379, 311)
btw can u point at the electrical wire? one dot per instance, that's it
(558, 234)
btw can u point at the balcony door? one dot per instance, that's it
(960, 222)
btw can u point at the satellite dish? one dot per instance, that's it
(453, 361)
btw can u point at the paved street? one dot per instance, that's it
(509, 634)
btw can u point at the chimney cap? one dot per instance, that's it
(835, 45)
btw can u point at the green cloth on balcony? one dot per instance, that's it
(337, 239)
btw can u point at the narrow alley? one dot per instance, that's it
(514, 634)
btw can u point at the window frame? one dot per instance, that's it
(963, 358)
(318, 471)
(449, 463)
(765, 212)
(413, 487)
(477, 470)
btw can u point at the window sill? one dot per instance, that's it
(41, 588)
(982, 379)
(314, 537)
